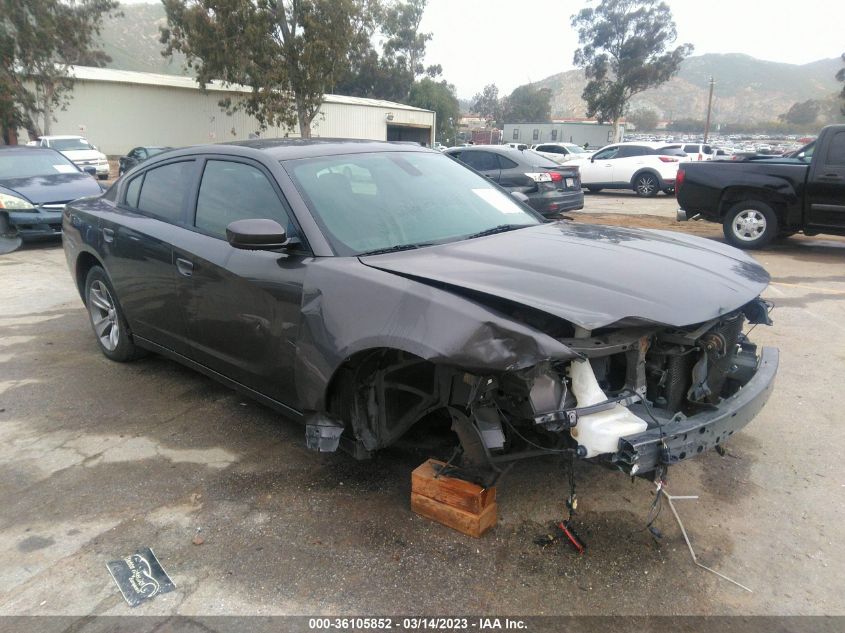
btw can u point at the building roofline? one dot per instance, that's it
(112, 75)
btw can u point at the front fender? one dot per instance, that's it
(348, 307)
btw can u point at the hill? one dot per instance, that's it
(131, 40)
(747, 90)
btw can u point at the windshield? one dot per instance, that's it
(68, 144)
(29, 163)
(576, 149)
(377, 201)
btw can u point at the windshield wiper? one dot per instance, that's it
(394, 249)
(502, 228)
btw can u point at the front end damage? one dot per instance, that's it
(635, 398)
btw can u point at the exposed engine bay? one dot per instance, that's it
(633, 398)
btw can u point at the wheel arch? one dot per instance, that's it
(84, 263)
(734, 195)
(647, 170)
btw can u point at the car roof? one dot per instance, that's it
(60, 136)
(290, 149)
(26, 148)
(496, 149)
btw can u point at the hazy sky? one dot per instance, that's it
(511, 42)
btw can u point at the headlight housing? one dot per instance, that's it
(15, 203)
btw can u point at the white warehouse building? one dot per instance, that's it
(117, 110)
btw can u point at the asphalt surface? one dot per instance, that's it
(98, 459)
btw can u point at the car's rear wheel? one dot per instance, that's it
(107, 318)
(646, 185)
(750, 224)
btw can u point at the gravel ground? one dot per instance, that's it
(98, 459)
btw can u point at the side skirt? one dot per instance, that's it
(228, 382)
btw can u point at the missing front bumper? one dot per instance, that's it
(688, 437)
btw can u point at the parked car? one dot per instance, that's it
(647, 168)
(760, 199)
(80, 151)
(549, 186)
(366, 288)
(136, 156)
(561, 152)
(519, 146)
(35, 185)
(695, 151)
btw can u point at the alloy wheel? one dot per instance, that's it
(104, 316)
(646, 185)
(749, 225)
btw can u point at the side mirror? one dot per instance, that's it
(520, 196)
(90, 170)
(256, 235)
(592, 159)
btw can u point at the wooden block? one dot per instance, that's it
(451, 491)
(466, 522)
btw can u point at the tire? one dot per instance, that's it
(594, 189)
(750, 224)
(107, 320)
(646, 185)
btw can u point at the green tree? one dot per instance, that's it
(527, 104)
(289, 52)
(39, 40)
(488, 105)
(644, 118)
(803, 113)
(624, 51)
(391, 73)
(440, 97)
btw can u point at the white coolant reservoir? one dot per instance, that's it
(599, 432)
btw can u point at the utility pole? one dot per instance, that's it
(709, 108)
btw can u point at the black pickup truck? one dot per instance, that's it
(759, 200)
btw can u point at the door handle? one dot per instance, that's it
(830, 177)
(185, 268)
(108, 235)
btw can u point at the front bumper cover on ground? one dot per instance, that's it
(39, 223)
(687, 437)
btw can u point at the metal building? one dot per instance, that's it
(578, 132)
(117, 110)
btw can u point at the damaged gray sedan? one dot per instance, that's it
(367, 288)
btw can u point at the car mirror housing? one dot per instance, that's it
(256, 235)
(90, 170)
(520, 196)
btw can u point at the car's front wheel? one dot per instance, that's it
(646, 185)
(750, 224)
(107, 318)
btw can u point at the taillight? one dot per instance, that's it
(700, 157)
(679, 179)
(545, 176)
(669, 159)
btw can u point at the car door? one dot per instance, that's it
(627, 162)
(243, 306)
(137, 237)
(486, 163)
(825, 190)
(598, 170)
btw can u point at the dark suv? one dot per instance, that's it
(550, 187)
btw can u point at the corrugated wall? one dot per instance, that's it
(119, 116)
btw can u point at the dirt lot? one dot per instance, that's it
(98, 459)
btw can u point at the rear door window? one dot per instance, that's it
(231, 191)
(164, 191)
(836, 150)
(480, 161)
(506, 163)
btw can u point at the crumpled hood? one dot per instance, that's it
(593, 276)
(53, 187)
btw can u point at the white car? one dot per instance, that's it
(696, 151)
(79, 151)
(647, 168)
(561, 152)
